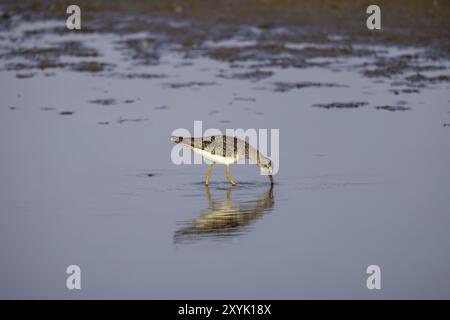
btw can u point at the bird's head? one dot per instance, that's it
(265, 166)
(176, 139)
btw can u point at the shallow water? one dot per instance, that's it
(96, 187)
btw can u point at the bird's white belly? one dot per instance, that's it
(214, 157)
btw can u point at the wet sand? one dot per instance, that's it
(86, 176)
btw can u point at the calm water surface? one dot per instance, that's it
(97, 188)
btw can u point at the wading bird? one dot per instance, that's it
(226, 150)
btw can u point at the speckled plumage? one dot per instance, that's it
(226, 150)
(224, 146)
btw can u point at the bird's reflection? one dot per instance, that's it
(223, 219)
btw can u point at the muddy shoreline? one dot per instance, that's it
(191, 23)
(264, 37)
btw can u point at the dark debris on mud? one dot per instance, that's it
(45, 64)
(64, 48)
(388, 67)
(66, 113)
(341, 105)
(49, 57)
(104, 102)
(136, 75)
(24, 75)
(422, 78)
(190, 84)
(91, 66)
(123, 120)
(254, 75)
(236, 98)
(393, 108)
(282, 56)
(287, 86)
(407, 91)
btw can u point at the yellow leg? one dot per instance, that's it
(209, 172)
(228, 176)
